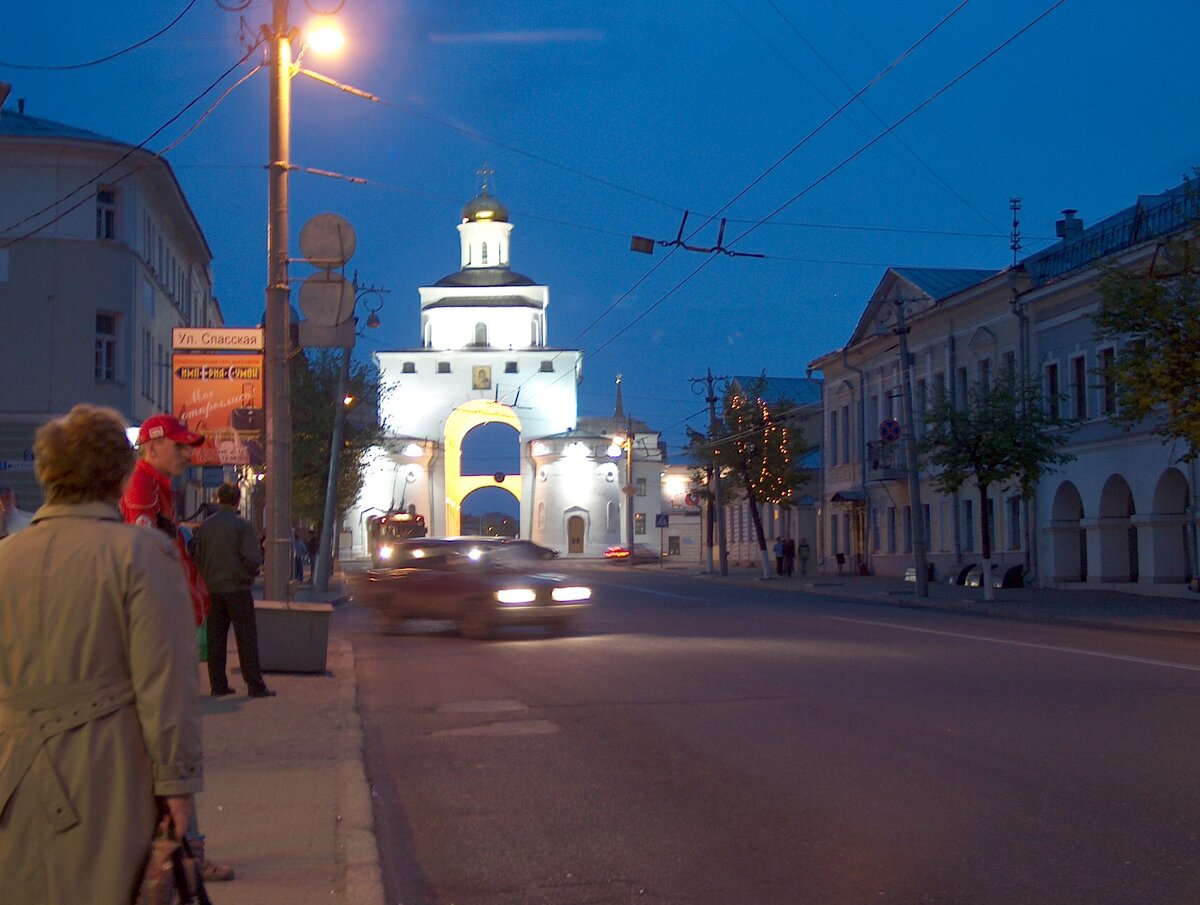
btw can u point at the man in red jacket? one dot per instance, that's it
(166, 445)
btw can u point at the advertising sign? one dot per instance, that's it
(221, 397)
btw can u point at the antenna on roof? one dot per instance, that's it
(646, 246)
(1014, 204)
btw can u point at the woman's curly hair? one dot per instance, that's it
(83, 456)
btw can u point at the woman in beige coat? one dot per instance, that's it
(99, 707)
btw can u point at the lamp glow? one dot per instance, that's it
(323, 36)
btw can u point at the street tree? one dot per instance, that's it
(315, 400)
(1002, 435)
(758, 452)
(1154, 316)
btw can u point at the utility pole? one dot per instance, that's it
(630, 488)
(279, 417)
(714, 427)
(910, 454)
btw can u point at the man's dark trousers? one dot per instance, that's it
(234, 608)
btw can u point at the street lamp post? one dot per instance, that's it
(279, 425)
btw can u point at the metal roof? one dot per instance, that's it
(25, 126)
(942, 282)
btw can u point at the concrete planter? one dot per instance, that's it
(292, 637)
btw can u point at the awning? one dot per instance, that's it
(849, 496)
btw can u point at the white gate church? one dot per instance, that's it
(484, 359)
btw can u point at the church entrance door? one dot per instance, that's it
(575, 534)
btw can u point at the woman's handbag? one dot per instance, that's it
(173, 876)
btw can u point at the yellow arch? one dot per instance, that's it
(460, 422)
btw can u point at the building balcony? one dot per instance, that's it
(886, 461)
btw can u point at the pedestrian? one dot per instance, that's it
(165, 450)
(228, 556)
(99, 708)
(313, 547)
(12, 517)
(789, 555)
(802, 552)
(299, 551)
(779, 556)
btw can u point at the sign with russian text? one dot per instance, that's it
(221, 397)
(217, 339)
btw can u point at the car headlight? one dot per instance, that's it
(570, 595)
(386, 552)
(516, 595)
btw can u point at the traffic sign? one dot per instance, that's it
(662, 520)
(889, 430)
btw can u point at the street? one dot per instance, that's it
(705, 742)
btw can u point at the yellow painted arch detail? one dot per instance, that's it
(460, 422)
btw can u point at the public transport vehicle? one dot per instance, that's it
(384, 531)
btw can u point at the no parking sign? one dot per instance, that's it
(889, 430)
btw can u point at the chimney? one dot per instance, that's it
(1069, 227)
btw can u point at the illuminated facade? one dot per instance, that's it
(484, 359)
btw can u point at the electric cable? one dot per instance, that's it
(104, 59)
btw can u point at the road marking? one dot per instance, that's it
(512, 727)
(489, 706)
(1050, 647)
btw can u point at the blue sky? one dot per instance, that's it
(606, 120)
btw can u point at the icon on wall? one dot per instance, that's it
(481, 377)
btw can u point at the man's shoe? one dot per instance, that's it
(216, 873)
(261, 693)
(221, 692)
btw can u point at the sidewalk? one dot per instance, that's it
(1107, 607)
(286, 801)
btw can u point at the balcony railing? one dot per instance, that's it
(886, 461)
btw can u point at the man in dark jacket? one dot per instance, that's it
(229, 557)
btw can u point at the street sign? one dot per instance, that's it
(217, 339)
(889, 430)
(662, 520)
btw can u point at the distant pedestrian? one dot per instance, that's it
(299, 552)
(229, 558)
(803, 552)
(789, 555)
(12, 517)
(100, 720)
(779, 556)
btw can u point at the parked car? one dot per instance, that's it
(641, 554)
(480, 583)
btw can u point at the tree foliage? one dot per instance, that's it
(315, 400)
(1155, 314)
(1002, 434)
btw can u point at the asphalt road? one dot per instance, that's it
(704, 743)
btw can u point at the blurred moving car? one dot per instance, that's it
(480, 583)
(530, 549)
(641, 553)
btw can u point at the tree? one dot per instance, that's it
(314, 389)
(1003, 434)
(757, 451)
(1155, 314)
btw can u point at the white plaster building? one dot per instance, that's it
(485, 359)
(100, 257)
(1123, 511)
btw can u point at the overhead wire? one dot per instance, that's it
(104, 59)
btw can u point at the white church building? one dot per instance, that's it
(485, 359)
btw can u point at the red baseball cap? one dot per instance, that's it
(170, 427)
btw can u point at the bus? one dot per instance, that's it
(384, 530)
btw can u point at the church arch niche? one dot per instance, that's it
(482, 463)
(1068, 538)
(490, 512)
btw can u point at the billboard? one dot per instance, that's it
(221, 397)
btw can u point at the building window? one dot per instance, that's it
(968, 525)
(875, 530)
(991, 520)
(510, 367)
(1108, 381)
(845, 433)
(983, 372)
(640, 484)
(926, 528)
(427, 335)
(547, 366)
(147, 365)
(963, 388)
(833, 438)
(1008, 365)
(1079, 386)
(161, 370)
(106, 212)
(409, 367)
(639, 523)
(1014, 523)
(834, 537)
(891, 529)
(1053, 407)
(610, 515)
(443, 367)
(106, 346)
(483, 253)
(481, 335)
(908, 535)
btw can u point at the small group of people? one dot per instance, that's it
(786, 553)
(99, 686)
